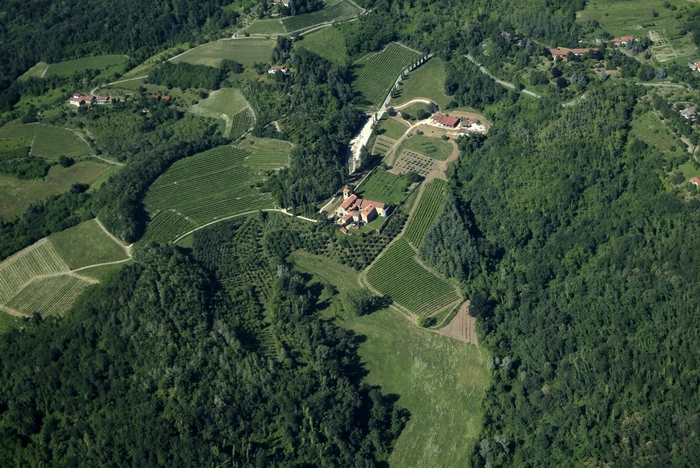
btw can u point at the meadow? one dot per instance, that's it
(86, 244)
(384, 187)
(48, 141)
(392, 128)
(215, 184)
(377, 73)
(426, 81)
(334, 10)
(398, 275)
(432, 147)
(16, 194)
(429, 208)
(244, 50)
(230, 105)
(441, 381)
(652, 131)
(105, 63)
(329, 43)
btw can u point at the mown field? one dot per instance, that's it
(441, 381)
(384, 187)
(377, 73)
(208, 186)
(428, 146)
(47, 141)
(244, 50)
(329, 43)
(426, 81)
(392, 128)
(104, 63)
(16, 194)
(86, 244)
(652, 131)
(229, 105)
(429, 208)
(397, 274)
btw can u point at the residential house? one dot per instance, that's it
(445, 121)
(277, 68)
(695, 181)
(689, 114)
(623, 41)
(563, 52)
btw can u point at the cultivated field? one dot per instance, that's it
(48, 296)
(230, 105)
(429, 208)
(47, 141)
(382, 144)
(333, 11)
(441, 381)
(329, 43)
(244, 50)
(384, 187)
(428, 146)
(377, 73)
(426, 81)
(397, 274)
(409, 161)
(212, 185)
(266, 27)
(104, 63)
(16, 194)
(86, 244)
(392, 128)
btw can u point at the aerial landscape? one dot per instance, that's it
(349, 233)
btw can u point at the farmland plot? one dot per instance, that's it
(377, 73)
(429, 207)
(332, 11)
(47, 141)
(36, 260)
(48, 296)
(398, 275)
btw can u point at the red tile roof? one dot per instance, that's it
(618, 40)
(695, 181)
(445, 120)
(348, 202)
(563, 51)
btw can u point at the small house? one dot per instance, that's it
(689, 114)
(277, 68)
(695, 181)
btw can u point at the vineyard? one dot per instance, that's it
(338, 11)
(218, 183)
(398, 275)
(86, 244)
(241, 122)
(428, 209)
(48, 141)
(382, 145)
(36, 260)
(377, 73)
(268, 154)
(48, 296)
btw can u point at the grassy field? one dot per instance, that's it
(652, 131)
(392, 128)
(384, 187)
(397, 274)
(377, 73)
(47, 141)
(439, 380)
(644, 18)
(246, 51)
(333, 10)
(327, 42)
(429, 207)
(16, 195)
(8, 322)
(230, 105)
(101, 273)
(266, 26)
(434, 148)
(211, 185)
(86, 244)
(426, 81)
(104, 63)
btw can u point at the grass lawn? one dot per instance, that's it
(689, 170)
(393, 128)
(16, 194)
(435, 148)
(101, 273)
(48, 141)
(224, 101)
(426, 81)
(384, 187)
(86, 244)
(105, 63)
(244, 50)
(652, 131)
(8, 322)
(411, 112)
(439, 380)
(327, 42)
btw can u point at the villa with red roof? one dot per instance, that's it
(624, 40)
(445, 121)
(355, 209)
(695, 181)
(562, 52)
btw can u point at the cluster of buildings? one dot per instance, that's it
(158, 97)
(562, 52)
(83, 100)
(354, 210)
(465, 125)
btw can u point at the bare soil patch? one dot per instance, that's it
(462, 327)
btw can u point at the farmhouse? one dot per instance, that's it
(562, 52)
(689, 114)
(445, 121)
(81, 100)
(695, 181)
(623, 41)
(277, 68)
(355, 209)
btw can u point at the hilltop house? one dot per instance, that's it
(82, 100)
(355, 209)
(445, 121)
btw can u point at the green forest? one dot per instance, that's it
(571, 227)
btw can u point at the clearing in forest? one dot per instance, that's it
(230, 105)
(377, 73)
(244, 50)
(399, 275)
(426, 81)
(104, 63)
(219, 183)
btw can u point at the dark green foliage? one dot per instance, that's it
(26, 168)
(65, 161)
(185, 75)
(371, 32)
(40, 219)
(468, 86)
(363, 302)
(231, 66)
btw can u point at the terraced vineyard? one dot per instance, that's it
(337, 11)
(48, 296)
(377, 73)
(241, 122)
(36, 260)
(218, 183)
(429, 207)
(415, 288)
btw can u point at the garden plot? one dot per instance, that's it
(409, 161)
